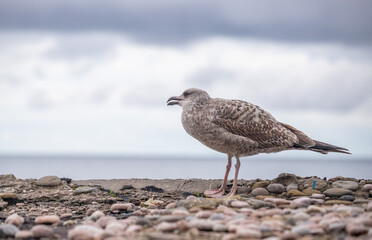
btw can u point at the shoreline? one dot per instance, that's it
(286, 207)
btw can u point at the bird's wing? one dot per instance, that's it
(250, 121)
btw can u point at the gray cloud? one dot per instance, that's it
(167, 21)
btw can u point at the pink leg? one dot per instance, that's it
(235, 184)
(221, 190)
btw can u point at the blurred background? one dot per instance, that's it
(84, 84)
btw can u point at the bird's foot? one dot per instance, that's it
(214, 192)
(233, 191)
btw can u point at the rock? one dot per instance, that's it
(180, 212)
(310, 191)
(239, 204)
(96, 215)
(291, 186)
(301, 202)
(42, 231)
(7, 178)
(319, 183)
(295, 193)
(286, 179)
(360, 201)
(336, 192)
(8, 230)
(331, 202)
(336, 227)
(301, 230)
(10, 196)
(85, 232)
(103, 221)
(122, 207)
(369, 206)
(347, 198)
(217, 217)
(133, 229)
(204, 214)
(166, 227)
(248, 233)
(243, 190)
(47, 219)
(115, 228)
(15, 220)
(355, 229)
(318, 196)
(351, 185)
(170, 218)
(256, 204)
(260, 184)
(3, 204)
(301, 216)
(170, 205)
(49, 181)
(260, 191)
(84, 189)
(203, 225)
(288, 236)
(24, 234)
(218, 227)
(276, 188)
(367, 187)
(204, 203)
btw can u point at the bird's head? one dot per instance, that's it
(191, 96)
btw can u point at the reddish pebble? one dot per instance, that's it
(47, 219)
(15, 220)
(122, 206)
(42, 231)
(24, 235)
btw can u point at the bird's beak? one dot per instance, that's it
(173, 101)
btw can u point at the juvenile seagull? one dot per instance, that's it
(239, 129)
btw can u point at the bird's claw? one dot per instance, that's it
(214, 192)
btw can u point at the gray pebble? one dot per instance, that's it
(336, 192)
(260, 191)
(8, 230)
(345, 184)
(49, 181)
(276, 188)
(347, 198)
(301, 230)
(292, 186)
(84, 189)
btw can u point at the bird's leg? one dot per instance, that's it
(221, 190)
(235, 184)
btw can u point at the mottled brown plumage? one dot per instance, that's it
(239, 128)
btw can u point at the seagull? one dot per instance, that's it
(239, 129)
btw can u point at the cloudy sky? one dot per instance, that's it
(80, 77)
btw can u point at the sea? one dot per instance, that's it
(178, 167)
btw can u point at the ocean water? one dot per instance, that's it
(108, 167)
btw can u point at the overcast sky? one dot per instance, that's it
(80, 77)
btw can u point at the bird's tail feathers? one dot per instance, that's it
(325, 148)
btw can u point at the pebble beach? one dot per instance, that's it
(286, 207)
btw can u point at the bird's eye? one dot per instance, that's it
(186, 94)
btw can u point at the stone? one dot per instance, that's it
(15, 220)
(115, 228)
(260, 184)
(204, 214)
(351, 185)
(204, 203)
(367, 187)
(291, 186)
(3, 204)
(96, 215)
(318, 195)
(301, 202)
(336, 192)
(166, 227)
(8, 230)
(248, 233)
(331, 202)
(301, 230)
(355, 229)
(7, 178)
(286, 179)
(347, 198)
(310, 191)
(24, 234)
(276, 188)
(103, 221)
(218, 227)
(85, 232)
(217, 217)
(84, 190)
(239, 204)
(122, 207)
(336, 227)
(203, 225)
(170, 218)
(260, 191)
(295, 193)
(360, 201)
(369, 206)
(242, 190)
(301, 216)
(49, 181)
(10, 196)
(180, 212)
(319, 183)
(47, 219)
(170, 205)
(42, 231)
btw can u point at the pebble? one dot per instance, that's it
(367, 187)
(331, 202)
(122, 206)
(84, 189)
(15, 220)
(295, 193)
(260, 184)
(47, 219)
(3, 204)
(166, 227)
(276, 188)
(243, 190)
(347, 198)
(301, 202)
(204, 214)
(310, 191)
(8, 230)
(286, 179)
(301, 230)
(369, 206)
(320, 184)
(49, 181)
(42, 231)
(336, 227)
(180, 212)
(96, 215)
(239, 204)
(8, 195)
(24, 234)
(103, 221)
(248, 233)
(336, 192)
(351, 185)
(171, 205)
(260, 191)
(318, 195)
(355, 229)
(85, 232)
(291, 186)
